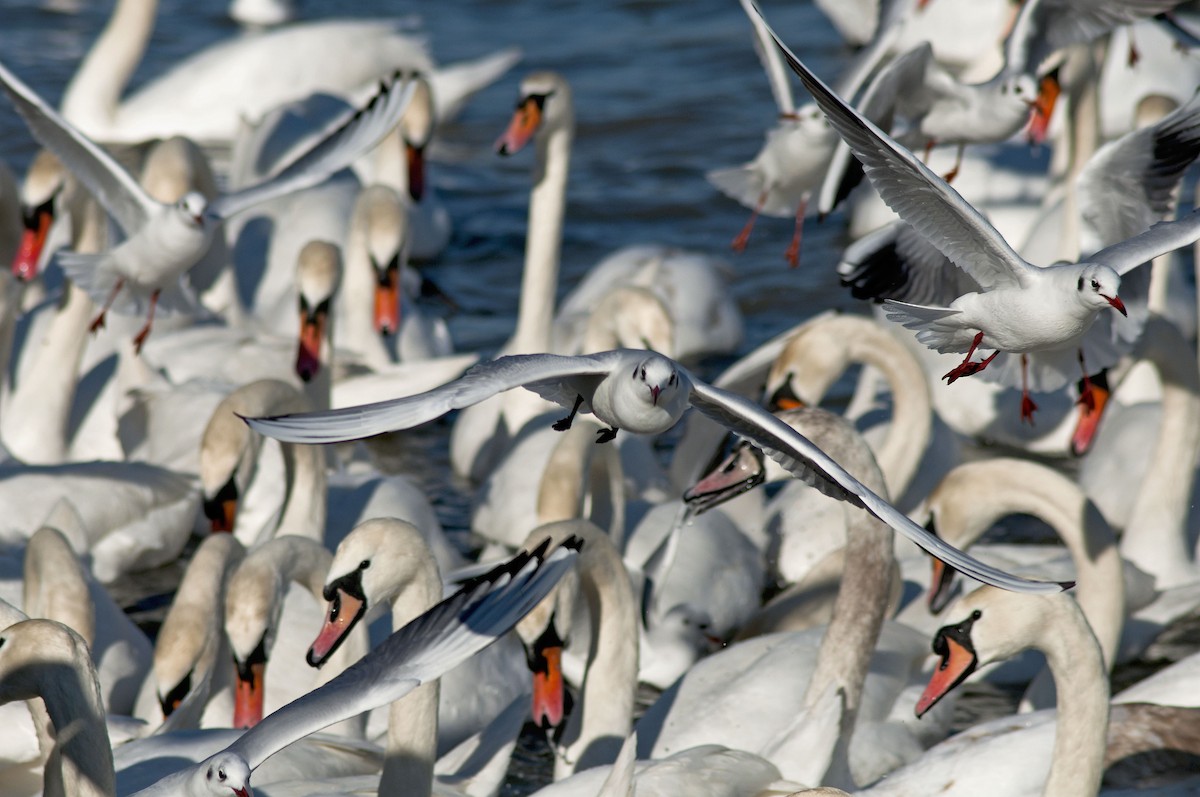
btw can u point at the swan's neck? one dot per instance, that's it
(355, 298)
(912, 417)
(985, 492)
(55, 586)
(603, 717)
(93, 95)
(1155, 538)
(582, 478)
(413, 720)
(1079, 742)
(305, 486)
(539, 281)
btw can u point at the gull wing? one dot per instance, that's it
(800, 457)
(1044, 27)
(1130, 183)
(550, 376)
(441, 638)
(919, 196)
(106, 180)
(353, 135)
(1166, 236)
(772, 64)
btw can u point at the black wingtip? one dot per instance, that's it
(1066, 585)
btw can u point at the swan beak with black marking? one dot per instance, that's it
(1043, 108)
(524, 124)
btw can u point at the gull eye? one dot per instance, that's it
(221, 775)
(643, 373)
(1095, 285)
(1079, 286)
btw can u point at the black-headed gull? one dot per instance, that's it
(164, 241)
(457, 628)
(935, 107)
(1122, 190)
(639, 391)
(1020, 308)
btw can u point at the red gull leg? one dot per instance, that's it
(743, 237)
(98, 321)
(1027, 405)
(793, 251)
(950, 175)
(141, 336)
(966, 367)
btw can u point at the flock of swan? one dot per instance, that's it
(192, 353)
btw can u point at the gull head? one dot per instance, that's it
(226, 774)
(192, 205)
(660, 377)
(1098, 286)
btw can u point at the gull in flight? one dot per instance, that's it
(1020, 308)
(163, 241)
(638, 391)
(460, 626)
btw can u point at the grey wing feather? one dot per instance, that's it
(353, 135)
(455, 629)
(1130, 183)
(813, 466)
(920, 197)
(541, 372)
(894, 262)
(99, 172)
(771, 63)
(1166, 236)
(1045, 26)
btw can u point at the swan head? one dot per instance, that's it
(630, 317)
(659, 379)
(42, 187)
(318, 272)
(544, 104)
(1098, 286)
(175, 166)
(380, 223)
(741, 471)
(994, 624)
(225, 774)
(377, 563)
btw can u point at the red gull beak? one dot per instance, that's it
(654, 391)
(1116, 302)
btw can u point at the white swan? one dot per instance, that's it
(205, 95)
(725, 698)
(974, 496)
(387, 561)
(602, 716)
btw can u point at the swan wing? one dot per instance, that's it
(800, 457)
(99, 172)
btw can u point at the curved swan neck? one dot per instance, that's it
(1074, 658)
(304, 514)
(55, 585)
(48, 660)
(973, 497)
(819, 354)
(1155, 538)
(543, 244)
(93, 95)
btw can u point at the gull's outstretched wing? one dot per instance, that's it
(1166, 236)
(352, 135)
(449, 633)
(800, 457)
(548, 375)
(772, 64)
(919, 196)
(106, 180)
